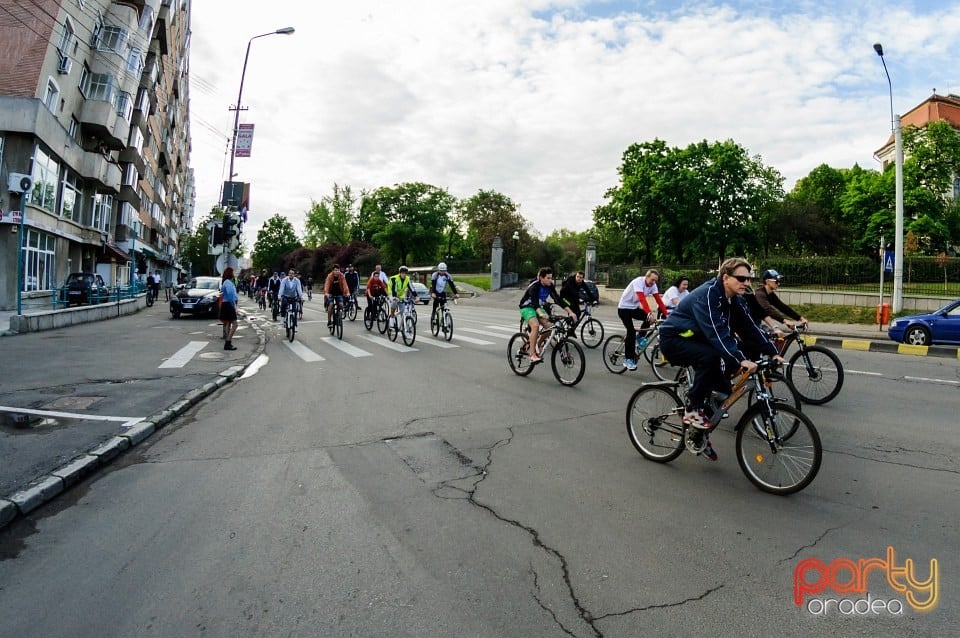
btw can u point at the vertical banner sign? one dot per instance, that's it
(244, 140)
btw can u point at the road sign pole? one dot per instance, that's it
(883, 266)
(20, 264)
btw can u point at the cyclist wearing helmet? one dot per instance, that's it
(438, 285)
(398, 287)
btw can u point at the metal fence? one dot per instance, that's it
(58, 298)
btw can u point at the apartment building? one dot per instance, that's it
(94, 109)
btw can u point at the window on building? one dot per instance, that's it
(66, 38)
(84, 83)
(101, 86)
(70, 197)
(113, 38)
(51, 99)
(146, 21)
(102, 209)
(39, 253)
(135, 61)
(124, 105)
(74, 129)
(45, 174)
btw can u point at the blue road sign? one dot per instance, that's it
(888, 261)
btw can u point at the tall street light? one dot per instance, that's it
(236, 117)
(898, 230)
(516, 253)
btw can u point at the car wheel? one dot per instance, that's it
(917, 336)
(176, 315)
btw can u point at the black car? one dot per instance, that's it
(199, 297)
(85, 288)
(592, 287)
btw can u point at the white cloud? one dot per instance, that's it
(539, 99)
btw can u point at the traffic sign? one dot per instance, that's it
(888, 261)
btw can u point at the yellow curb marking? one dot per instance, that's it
(906, 348)
(855, 344)
(810, 341)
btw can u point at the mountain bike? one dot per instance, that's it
(402, 323)
(778, 447)
(274, 305)
(290, 319)
(372, 312)
(815, 371)
(350, 306)
(566, 360)
(648, 345)
(442, 320)
(336, 319)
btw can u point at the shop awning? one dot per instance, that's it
(111, 252)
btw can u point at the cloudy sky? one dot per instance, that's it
(538, 99)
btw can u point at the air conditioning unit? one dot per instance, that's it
(65, 65)
(19, 183)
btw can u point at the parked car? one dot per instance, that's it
(198, 297)
(85, 288)
(422, 292)
(939, 327)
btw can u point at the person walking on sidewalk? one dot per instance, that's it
(228, 308)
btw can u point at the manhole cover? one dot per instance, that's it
(72, 403)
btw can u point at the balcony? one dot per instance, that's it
(128, 185)
(98, 168)
(99, 119)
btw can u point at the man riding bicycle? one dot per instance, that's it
(438, 286)
(532, 307)
(334, 290)
(700, 333)
(398, 287)
(290, 291)
(376, 291)
(634, 298)
(573, 290)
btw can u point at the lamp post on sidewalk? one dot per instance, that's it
(237, 109)
(898, 230)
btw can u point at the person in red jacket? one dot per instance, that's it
(334, 289)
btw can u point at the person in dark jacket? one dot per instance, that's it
(772, 305)
(700, 333)
(570, 293)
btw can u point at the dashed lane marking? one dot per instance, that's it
(479, 342)
(183, 356)
(343, 346)
(929, 380)
(435, 341)
(386, 343)
(303, 351)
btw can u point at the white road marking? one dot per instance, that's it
(303, 351)
(871, 374)
(386, 343)
(435, 341)
(511, 329)
(254, 367)
(127, 421)
(479, 342)
(929, 380)
(343, 346)
(182, 356)
(486, 333)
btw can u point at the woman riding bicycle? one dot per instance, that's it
(700, 333)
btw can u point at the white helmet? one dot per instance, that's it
(441, 266)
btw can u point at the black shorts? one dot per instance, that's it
(228, 312)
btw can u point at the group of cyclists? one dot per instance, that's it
(714, 328)
(342, 286)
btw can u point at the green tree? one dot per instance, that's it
(932, 163)
(331, 220)
(408, 222)
(275, 240)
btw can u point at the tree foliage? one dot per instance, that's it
(407, 221)
(331, 220)
(275, 240)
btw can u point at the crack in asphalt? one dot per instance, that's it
(543, 606)
(679, 603)
(890, 462)
(813, 544)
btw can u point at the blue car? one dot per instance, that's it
(939, 327)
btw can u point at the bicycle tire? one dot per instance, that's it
(352, 311)
(393, 328)
(518, 354)
(647, 352)
(382, 320)
(447, 325)
(276, 311)
(817, 383)
(413, 312)
(368, 318)
(409, 330)
(658, 363)
(434, 324)
(338, 324)
(591, 333)
(795, 462)
(613, 354)
(149, 299)
(568, 363)
(655, 423)
(790, 396)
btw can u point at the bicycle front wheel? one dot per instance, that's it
(382, 320)
(613, 354)
(771, 461)
(434, 324)
(591, 333)
(816, 373)
(409, 330)
(393, 328)
(518, 355)
(352, 311)
(338, 325)
(368, 318)
(654, 423)
(568, 362)
(447, 326)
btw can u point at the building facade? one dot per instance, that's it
(94, 109)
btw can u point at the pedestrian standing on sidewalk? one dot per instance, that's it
(228, 308)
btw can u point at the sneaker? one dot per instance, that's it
(709, 452)
(535, 359)
(696, 419)
(629, 364)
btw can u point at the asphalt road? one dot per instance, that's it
(430, 492)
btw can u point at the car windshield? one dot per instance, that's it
(77, 277)
(206, 284)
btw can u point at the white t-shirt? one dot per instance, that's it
(673, 297)
(629, 300)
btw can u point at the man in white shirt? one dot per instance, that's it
(290, 291)
(634, 298)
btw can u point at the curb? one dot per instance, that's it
(890, 347)
(46, 487)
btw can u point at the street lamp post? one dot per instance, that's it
(898, 230)
(236, 117)
(516, 254)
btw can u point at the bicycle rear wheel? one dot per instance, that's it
(654, 423)
(658, 363)
(817, 374)
(447, 326)
(772, 462)
(409, 330)
(568, 362)
(591, 333)
(613, 354)
(518, 355)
